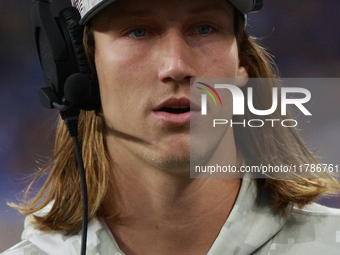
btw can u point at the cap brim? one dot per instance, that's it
(243, 6)
(95, 10)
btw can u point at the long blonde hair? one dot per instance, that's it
(274, 145)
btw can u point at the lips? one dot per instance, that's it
(176, 111)
(177, 103)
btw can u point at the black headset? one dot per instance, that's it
(59, 41)
(70, 84)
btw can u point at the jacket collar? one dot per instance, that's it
(251, 223)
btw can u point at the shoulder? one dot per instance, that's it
(36, 242)
(314, 229)
(317, 210)
(321, 219)
(25, 247)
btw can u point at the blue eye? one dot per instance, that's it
(204, 29)
(140, 32)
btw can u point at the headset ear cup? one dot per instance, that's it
(71, 17)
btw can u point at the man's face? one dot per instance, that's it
(146, 52)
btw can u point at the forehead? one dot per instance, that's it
(175, 9)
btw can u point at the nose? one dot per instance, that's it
(176, 58)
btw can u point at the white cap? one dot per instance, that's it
(89, 8)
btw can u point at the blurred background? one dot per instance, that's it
(304, 37)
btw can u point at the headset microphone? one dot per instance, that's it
(77, 90)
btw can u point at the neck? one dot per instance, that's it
(164, 214)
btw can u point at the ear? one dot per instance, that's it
(242, 77)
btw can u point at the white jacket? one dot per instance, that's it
(251, 228)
